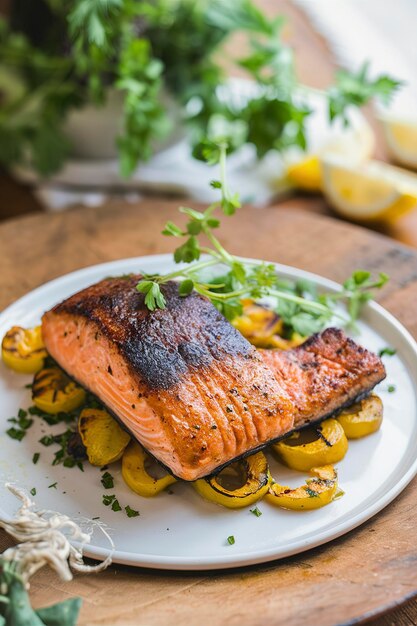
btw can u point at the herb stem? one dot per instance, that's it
(306, 304)
(189, 270)
(283, 295)
(218, 246)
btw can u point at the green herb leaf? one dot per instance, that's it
(391, 388)
(186, 287)
(356, 89)
(46, 440)
(256, 512)
(131, 512)
(107, 499)
(231, 540)
(33, 491)
(387, 352)
(107, 480)
(116, 506)
(154, 297)
(35, 458)
(171, 230)
(53, 486)
(188, 252)
(16, 433)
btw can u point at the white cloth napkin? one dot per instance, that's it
(383, 32)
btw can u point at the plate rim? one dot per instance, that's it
(229, 561)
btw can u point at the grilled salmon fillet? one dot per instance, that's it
(187, 385)
(323, 375)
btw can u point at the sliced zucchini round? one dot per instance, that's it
(362, 418)
(240, 484)
(317, 492)
(54, 392)
(23, 350)
(136, 472)
(329, 445)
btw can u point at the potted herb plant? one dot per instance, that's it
(96, 78)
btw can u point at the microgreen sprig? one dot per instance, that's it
(301, 309)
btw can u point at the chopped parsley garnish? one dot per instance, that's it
(35, 458)
(111, 500)
(22, 420)
(387, 352)
(33, 491)
(25, 422)
(22, 423)
(131, 512)
(62, 455)
(95, 518)
(391, 388)
(256, 512)
(53, 486)
(231, 540)
(311, 493)
(33, 410)
(107, 481)
(16, 433)
(47, 440)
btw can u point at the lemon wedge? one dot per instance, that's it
(354, 142)
(306, 174)
(401, 137)
(372, 191)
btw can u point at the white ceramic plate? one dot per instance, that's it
(182, 531)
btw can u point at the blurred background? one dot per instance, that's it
(117, 98)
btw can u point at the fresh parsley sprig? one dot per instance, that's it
(357, 89)
(357, 291)
(301, 309)
(245, 279)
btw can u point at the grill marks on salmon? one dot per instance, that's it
(193, 391)
(326, 373)
(182, 380)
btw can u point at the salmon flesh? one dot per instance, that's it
(187, 385)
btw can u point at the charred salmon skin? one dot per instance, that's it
(187, 385)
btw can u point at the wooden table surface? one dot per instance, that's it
(366, 572)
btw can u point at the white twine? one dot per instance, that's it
(41, 541)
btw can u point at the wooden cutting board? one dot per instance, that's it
(364, 573)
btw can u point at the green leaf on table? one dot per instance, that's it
(64, 613)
